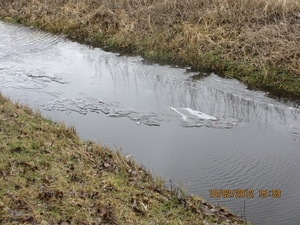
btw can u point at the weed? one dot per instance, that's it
(49, 176)
(239, 38)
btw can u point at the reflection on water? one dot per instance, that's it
(169, 118)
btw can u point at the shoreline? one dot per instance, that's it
(255, 42)
(50, 176)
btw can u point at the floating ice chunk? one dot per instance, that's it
(199, 114)
(192, 112)
(184, 117)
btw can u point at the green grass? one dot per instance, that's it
(49, 176)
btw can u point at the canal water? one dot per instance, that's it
(195, 129)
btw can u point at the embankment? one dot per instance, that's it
(255, 41)
(49, 176)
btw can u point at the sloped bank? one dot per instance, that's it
(49, 176)
(255, 41)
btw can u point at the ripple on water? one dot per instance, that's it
(26, 42)
(294, 132)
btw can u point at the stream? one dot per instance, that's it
(193, 128)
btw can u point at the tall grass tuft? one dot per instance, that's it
(256, 41)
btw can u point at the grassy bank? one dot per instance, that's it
(49, 176)
(255, 41)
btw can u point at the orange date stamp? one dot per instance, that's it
(244, 193)
(231, 193)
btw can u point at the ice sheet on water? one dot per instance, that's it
(115, 110)
(194, 118)
(47, 78)
(200, 115)
(84, 105)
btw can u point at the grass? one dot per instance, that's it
(49, 176)
(255, 41)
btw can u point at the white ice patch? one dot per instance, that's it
(184, 117)
(194, 118)
(202, 116)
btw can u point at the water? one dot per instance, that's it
(193, 128)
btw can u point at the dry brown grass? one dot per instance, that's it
(257, 41)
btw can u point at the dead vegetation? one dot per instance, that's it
(256, 41)
(49, 176)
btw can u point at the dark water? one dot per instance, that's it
(196, 128)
